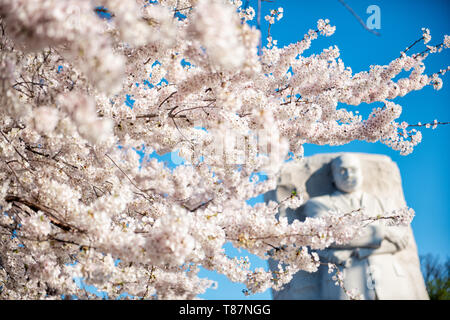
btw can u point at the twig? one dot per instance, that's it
(427, 125)
(193, 108)
(412, 45)
(170, 96)
(17, 151)
(186, 8)
(28, 148)
(438, 46)
(143, 192)
(129, 179)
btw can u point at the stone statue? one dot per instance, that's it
(382, 263)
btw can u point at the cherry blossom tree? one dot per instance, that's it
(80, 195)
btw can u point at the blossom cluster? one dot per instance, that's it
(81, 195)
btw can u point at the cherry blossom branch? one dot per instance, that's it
(428, 125)
(428, 49)
(410, 46)
(53, 216)
(339, 281)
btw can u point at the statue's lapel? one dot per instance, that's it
(341, 202)
(365, 201)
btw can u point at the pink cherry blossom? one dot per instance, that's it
(82, 197)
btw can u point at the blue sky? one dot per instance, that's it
(426, 172)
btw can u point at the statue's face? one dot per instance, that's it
(347, 173)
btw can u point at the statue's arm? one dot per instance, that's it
(385, 248)
(378, 238)
(385, 239)
(370, 237)
(374, 239)
(381, 239)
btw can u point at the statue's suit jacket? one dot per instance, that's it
(372, 265)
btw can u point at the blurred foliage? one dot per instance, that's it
(436, 275)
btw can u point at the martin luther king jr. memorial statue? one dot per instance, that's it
(382, 262)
